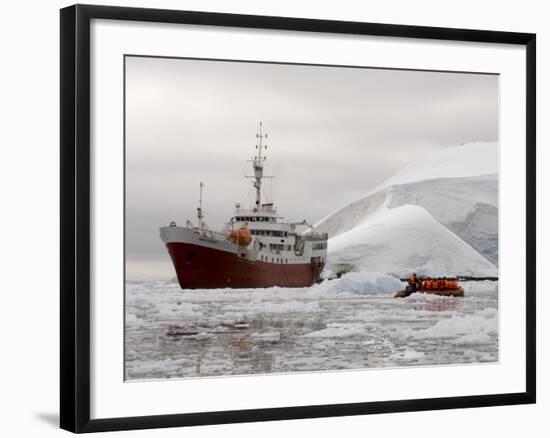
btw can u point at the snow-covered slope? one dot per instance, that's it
(467, 206)
(452, 227)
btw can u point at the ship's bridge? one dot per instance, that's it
(264, 223)
(250, 218)
(266, 214)
(259, 222)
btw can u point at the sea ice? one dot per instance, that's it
(352, 322)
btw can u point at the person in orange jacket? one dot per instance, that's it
(413, 283)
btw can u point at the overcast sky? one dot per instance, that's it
(334, 133)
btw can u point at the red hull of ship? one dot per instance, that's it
(205, 268)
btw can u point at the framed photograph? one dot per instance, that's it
(268, 218)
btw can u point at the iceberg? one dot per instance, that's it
(437, 216)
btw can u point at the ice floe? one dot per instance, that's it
(352, 322)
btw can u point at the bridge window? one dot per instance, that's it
(276, 247)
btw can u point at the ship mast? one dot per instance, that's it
(258, 165)
(200, 215)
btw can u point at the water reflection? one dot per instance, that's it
(439, 305)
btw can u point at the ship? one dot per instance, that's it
(256, 248)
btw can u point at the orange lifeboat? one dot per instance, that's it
(437, 286)
(241, 237)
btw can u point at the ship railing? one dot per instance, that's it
(315, 236)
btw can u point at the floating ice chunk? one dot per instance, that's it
(338, 331)
(162, 367)
(488, 312)
(473, 339)
(409, 354)
(229, 318)
(178, 311)
(131, 318)
(371, 341)
(204, 336)
(362, 283)
(328, 274)
(479, 287)
(266, 336)
(457, 326)
(292, 306)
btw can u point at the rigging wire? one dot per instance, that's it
(247, 198)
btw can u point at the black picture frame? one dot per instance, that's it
(75, 217)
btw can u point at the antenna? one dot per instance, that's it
(200, 215)
(261, 146)
(258, 165)
(258, 161)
